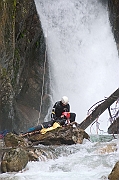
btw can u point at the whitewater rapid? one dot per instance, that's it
(84, 161)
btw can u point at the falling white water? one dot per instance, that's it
(82, 53)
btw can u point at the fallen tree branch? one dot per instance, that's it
(99, 110)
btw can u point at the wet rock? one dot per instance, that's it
(114, 175)
(114, 19)
(33, 156)
(14, 160)
(62, 135)
(14, 157)
(108, 148)
(13, 140)
(22, 56)
(41, 153)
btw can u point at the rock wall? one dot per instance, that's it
(114, 19)
(22, 56)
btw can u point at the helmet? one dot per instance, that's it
(64, 100)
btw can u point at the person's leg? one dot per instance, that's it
(61, 121)
(37, 128)
(48, 124)
(72, 117)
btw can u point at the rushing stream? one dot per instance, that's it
(85, 161)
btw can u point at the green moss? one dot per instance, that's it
(15, 66)
(15, 2)
(4, 72)
(21, 35)
(37, 43)
(17, 55)
(14, 8)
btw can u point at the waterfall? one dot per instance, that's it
(82, 53)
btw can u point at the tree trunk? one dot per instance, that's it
(99, 110)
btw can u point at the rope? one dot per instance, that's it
(41, 102)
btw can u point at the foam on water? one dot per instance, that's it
(81, 161)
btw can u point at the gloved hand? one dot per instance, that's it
(53, 115)
(62, 116)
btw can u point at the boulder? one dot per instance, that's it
(114, 175)
(108, 148)
(62, 135)
(42, 154)
(33, 156)
(14, 160)
(15, 157)
(13, 140)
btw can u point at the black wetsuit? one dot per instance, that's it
(59, 108)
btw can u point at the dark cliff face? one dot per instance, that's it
(114, 19)
(22, 56)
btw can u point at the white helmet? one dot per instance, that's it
(64, 100)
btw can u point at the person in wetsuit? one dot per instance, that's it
(60, 107)
(57, 115)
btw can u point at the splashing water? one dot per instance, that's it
(84, 161)
(82, 53)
